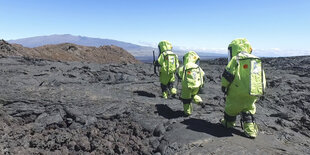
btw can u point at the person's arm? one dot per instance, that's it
(228, 75)
(203, 77)
(180, 73)
(264, 80)
(160, 59)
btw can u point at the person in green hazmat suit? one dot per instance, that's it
(192, 77)
(168, 62)
(243, 81)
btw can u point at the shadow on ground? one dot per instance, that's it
(167, 112)
(144, 93)
(216, 130)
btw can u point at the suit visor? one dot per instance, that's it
(229, 55)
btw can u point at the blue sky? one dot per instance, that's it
(280, 26)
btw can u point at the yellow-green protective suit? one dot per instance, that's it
(192, 80)
(243, 81)
(169, 63)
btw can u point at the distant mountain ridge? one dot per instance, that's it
(69, 52)
(142, 53)
(31, 42)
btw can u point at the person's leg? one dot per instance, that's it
(173, 91)
(164, 81)
(232, 108)
(197, 99)
(188, 107)
(186, 99)
(228, 121)
(164, 90)
(247, 118)
(172, 88)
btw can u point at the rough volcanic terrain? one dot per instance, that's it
(88, 108)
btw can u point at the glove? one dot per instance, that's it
(224, 90)
(156, 63)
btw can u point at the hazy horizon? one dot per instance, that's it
(274, 52)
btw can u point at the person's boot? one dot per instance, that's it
(197, 99)
(227, 124)
(165, 94)
(248, 124)
(187, 109)
(173, 92)
(250, 130)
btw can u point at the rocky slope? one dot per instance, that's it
(69, 52)
(136, 50)
(88, 108)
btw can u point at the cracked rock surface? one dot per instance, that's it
(86, 108)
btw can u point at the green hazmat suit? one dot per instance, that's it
(243, 81)
(169, 63)
(192, 77)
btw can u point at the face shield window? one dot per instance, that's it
(159, 49)
(198, 62)
(229, 54)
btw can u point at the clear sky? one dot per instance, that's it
(278, 25)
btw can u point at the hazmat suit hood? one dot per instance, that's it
(237, 46)
(164, 46)
(190, 56)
